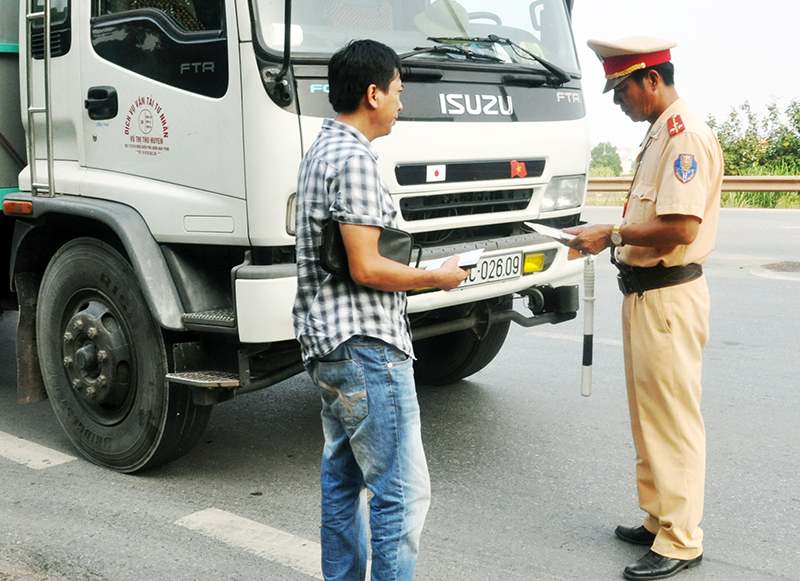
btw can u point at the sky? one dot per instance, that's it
(728, 52)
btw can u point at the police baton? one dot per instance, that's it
(588, 325)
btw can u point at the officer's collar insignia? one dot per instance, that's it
(675, 125)
(655, 130)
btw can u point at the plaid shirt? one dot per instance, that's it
(339, 177)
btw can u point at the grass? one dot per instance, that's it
(776, 200)
(772, 200)
(605, 198)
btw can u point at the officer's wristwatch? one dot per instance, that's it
(616, 236)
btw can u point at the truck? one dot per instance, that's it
(149, 173)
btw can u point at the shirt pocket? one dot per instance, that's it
(641, 204)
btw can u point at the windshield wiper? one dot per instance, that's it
(451, 49)
(560, 75)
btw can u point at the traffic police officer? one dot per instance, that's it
(667, 232)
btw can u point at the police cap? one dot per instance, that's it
(622, 57)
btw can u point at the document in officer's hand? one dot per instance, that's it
(554, 233)
(466, 260)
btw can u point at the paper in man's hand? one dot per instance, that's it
(466, 260)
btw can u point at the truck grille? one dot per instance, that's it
(464, 204)
(415, 174)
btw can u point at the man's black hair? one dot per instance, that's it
(666, 70)
(355, 67)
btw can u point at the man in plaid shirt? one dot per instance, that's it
(355, 334)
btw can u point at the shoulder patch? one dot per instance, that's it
(685, 167)
(675, 125)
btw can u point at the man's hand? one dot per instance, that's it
(450, 275)
(665, 231)
(368, 268)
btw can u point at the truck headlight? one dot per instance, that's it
(563, 193)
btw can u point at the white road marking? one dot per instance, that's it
(30, 454)
(277, 546)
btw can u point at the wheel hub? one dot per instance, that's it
(98, 359)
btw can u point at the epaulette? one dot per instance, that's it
(675, 125)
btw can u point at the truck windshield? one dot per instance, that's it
(535, 28)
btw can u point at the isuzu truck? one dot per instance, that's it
(149, 170)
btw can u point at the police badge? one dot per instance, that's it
(685, 167)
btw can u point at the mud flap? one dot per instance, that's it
(30, 384)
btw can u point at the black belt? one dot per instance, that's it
(638, 279)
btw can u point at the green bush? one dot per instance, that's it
(605, 162)
(751, 146)
(760, 146)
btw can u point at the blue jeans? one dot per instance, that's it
(371, 422)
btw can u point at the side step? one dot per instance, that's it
(260, 366)
(215, 321)
(206, 379)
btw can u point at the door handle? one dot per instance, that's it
(102, 103)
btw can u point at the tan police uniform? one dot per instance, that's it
(665, 330)
(679, 171)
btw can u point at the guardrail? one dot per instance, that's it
(729, 184)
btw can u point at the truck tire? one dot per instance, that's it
(449, 358)
(104, 361)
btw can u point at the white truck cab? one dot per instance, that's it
(149, 240)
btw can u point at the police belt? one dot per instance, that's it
(638, 279)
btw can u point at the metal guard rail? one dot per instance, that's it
(729, 184)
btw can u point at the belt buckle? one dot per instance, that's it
(629, 285)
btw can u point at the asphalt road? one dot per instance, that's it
(529, 477)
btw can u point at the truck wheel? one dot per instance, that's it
(449, 358)
(104, 362)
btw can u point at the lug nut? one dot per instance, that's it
(91, 392)
(78, 325)
(102, 381)
(68, 337)
(102, 355)
(92, 332)
(76, 384)
(67, 361)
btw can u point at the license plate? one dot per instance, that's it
(494, 268)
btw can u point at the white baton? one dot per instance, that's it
(588, 325)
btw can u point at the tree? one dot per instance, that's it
(605, 161)
(755, 146)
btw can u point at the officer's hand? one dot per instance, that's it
(450, 275)
(590, 239)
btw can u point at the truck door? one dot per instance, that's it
(160, 80)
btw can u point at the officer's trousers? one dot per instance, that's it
(664, 333)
